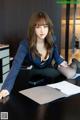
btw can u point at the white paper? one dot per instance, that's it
(43, 94)
(66, 87)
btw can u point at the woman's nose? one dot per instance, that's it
(42, 28)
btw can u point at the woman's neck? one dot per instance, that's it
(40, 42)
(40, 45)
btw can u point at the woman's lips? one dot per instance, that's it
(41, 34)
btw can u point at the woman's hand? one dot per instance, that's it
(4, 93)
(64, 64)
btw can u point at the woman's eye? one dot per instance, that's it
(39, 26)
(45, 25)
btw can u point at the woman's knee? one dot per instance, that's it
(67, 71)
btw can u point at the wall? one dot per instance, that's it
(15, 14)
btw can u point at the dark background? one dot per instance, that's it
(14, 17)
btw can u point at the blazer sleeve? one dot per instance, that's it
(58, 59)
(18, 60)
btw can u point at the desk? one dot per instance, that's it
(20, 107)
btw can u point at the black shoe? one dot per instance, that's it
(77, 63)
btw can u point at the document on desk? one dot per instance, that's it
(51, 92)
(43, 94)
(66, 88)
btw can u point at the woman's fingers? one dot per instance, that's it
(0, 95)
(4, 93)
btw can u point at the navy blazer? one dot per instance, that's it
(22, 53)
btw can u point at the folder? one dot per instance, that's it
(51, 92)
(43, 94)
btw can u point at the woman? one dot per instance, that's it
(39, 49)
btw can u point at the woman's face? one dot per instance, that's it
(41, 30)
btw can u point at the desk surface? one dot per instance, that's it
(20, 107)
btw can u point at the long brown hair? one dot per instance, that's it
(39, 17)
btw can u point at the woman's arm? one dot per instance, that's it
(58, 59)
(18, 60)
(64, 64)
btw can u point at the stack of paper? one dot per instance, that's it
(66, 87)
